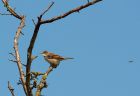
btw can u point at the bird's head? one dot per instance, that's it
(44, 53)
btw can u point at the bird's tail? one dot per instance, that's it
(66, 58)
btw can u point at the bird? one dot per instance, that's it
(53, 59)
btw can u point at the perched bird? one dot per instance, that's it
(53, 59)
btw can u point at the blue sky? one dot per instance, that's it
(102, 38)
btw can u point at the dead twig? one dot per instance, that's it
(47, 9)
(33, 21)
(5, 14)
(12, 54)
(16, 62)
(11, 89)
(5, 2)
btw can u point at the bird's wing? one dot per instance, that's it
(55, 56)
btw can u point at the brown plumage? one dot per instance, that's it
(53, 59)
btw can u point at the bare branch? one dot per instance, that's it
(11, 89)
(16, 49)
(43, 83)
(70, 12)
(12, 54)
(31, 45)
(5, 2)
(19, 64)
(5, 14)
(13, 61)
(47, 9)
(22, 33)
(29, 54)
(16, 62)
(33, 21)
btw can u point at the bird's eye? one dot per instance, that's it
(49, 56)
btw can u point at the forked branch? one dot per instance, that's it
(11, 10)
(16, 38)
(31, 46)
(70, 12)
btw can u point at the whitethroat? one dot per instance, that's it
(53, 59)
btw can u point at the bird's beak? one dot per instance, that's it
(41, 53)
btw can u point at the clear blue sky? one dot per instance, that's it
(102, 38)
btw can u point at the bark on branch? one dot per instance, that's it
(11, 10)
(19, 64)
(43, 83)
(70, 12)
(30, 49)
(29, 55)
(16, 38)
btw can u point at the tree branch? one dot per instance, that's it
(16, 38)
(11, 89)
(26, 84)
(29, 54)
(43, 83)
(5, 2)
(5, 14)
(30, 49)
(47, 9)
(34, 36)
(19, 64)
(70, 12)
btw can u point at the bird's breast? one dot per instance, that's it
(53, 61)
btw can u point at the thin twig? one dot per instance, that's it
(33, 21)
(16, 62)
(47, 9)
(19, 82)
(5, 2)
(12, 54)
(22, 33)
(11, 89)
(5, 14)
(70, 12)
(12, 60)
